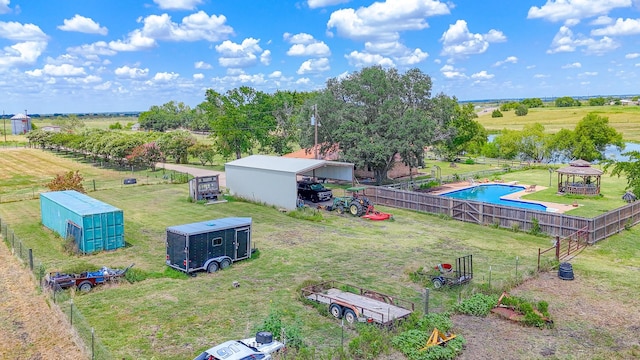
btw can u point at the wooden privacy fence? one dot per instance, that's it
(552, 224)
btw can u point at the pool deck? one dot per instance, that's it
(551, 207)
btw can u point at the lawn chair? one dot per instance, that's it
(531, 188)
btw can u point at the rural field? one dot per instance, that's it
(168, 315)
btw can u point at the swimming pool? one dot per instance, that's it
(492, 193)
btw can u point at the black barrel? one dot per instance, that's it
(565, 271)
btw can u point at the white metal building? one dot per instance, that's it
(273, 180)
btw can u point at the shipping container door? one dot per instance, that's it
(177, 250)
(114, 238)
(74, 231)
(242, 243)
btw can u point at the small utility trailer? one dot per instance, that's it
(447, 275)
(356, 304)
(86, 280)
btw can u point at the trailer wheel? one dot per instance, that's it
(213, 267)
(350, 316)
(335, 310)
(84, 286)
(225, 263)
(438, 282)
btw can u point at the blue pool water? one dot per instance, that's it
(492, 193)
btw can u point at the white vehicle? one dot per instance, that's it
(259, 347)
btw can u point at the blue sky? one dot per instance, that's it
(62, 56)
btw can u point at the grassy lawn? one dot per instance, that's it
(173, 318)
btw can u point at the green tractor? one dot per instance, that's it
(356, 203)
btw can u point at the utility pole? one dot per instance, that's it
(4, 125)
(315, 123)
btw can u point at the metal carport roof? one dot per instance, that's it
(272, 179)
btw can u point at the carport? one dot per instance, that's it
(273, 180)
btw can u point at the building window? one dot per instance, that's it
(217, 241)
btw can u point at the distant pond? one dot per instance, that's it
(611, 152)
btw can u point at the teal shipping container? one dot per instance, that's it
(94, 225)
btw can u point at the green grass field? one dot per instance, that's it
(625, 119)
(174, 317)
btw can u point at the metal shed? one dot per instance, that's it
(20, 124)
(273, 180)
(94, 225)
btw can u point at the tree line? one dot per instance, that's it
(374, 118)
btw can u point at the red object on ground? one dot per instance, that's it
(444, 268)
(377, 216)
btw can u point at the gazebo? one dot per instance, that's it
(579, 178)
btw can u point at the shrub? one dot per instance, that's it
(521, 110)
(535, 227)
(370, 343)
(477, 305)
(496, 114)
(469, 161)
(306, 213)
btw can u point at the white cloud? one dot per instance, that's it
(601, 20)
(588, 73)
(565, 41)
(104, 86)
(84, 25)
(276, 74)
(4, 6)
(21, 32)
(575, 65)
(303, 81)
(131, 73)
(202, 65)
(314, 66)
(509, 59)
(236, 78)
(198, 76)
(383, 21)
(89, 79)
(24, 53)
(482, 75)
(265, 57)
(361, 59)
(620, 27)
(540, 76)
(96, 49)
(457, 40)
(194, 27)
(451, 73)
(415, 57)
(178, 4)
(323, 3)
(560, 10)
(58, 70)
(242, 55)
(530, 67)
(165, 76)
(632, 55)
(319, 49)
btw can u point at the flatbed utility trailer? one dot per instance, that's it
(86, 280)
(356, 304)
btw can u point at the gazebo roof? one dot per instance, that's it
(580, 168)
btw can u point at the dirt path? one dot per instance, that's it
(195, 171)
(29, 327)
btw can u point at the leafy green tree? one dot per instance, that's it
(147, 155)
(521, 110)
(237, 120)
(203, 152)
(40, 137)
(289, 109)
(532, 103)
(567, 101)
(496, 113)
(508, 106)
(629, 168)
(467, 135)
(71, 180)
(507, 144)
(176, 144)
(597, 101)
(68, 123)
(168, 116)
(374, 114)
(588, 140)
(533, 143)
